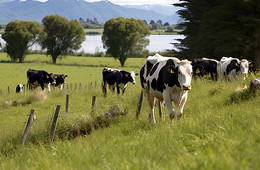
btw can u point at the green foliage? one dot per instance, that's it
(19, 36)
(219, 28)
(123, 37)
(62, 36)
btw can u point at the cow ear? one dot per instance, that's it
(171, 69)
(66, 76)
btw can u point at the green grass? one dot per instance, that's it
(220, 128)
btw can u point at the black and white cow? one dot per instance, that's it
(19, 88)
(60, 80)
(231, 67)
(40, 78)
(204, 66)
(168, 80)
(116, 78)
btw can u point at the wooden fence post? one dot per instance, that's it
(30, 120)
(139, 105)
(54, 123)
(67, 103)
(80, 86)
(93, 105)
(9, 90)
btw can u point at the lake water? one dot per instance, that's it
(93, 43)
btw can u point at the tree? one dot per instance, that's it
(62, 36)
(19, 36)
(159, 22)
(220, 28)
(122, 36)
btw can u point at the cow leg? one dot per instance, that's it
(42, 86)
(61, 87)
(118, 89)
(112, 89)
(123, 90)
(49, 87)
(104, 88)
(181, 105)
(151, 101)
(168, 103)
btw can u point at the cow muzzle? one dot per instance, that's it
(133, 82)
(186, 87)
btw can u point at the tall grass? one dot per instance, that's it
(220, 128)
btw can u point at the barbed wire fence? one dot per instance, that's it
(70, 117)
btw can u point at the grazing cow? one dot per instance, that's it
(255, 84)
(19, 88)
(168, 80)
(116, 78)
(205, 66)
(40, 78)
(230, 67)
(60, 80)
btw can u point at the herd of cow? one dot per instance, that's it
(164, 78)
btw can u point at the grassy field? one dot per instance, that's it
(220, 128)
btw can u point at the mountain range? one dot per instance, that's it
(74, 9)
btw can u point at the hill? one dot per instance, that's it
(73, 9)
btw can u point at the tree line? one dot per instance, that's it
(122, 37)
(219, 28)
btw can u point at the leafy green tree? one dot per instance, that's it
(220, 28)
(19, 36)
(122, 36)
(62, 36)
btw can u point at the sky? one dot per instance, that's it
(137, 2)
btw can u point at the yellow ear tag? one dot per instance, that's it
(172, 71)
(127, 75)
(197, 71)
(236, 64)
(55, 76)
(251, 65)
(47, 77)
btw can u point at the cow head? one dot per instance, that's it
(185, 74)
(61, 78)
(51, 78)
(244, 66)
(131, 76)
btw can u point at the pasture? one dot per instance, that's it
(220, 128)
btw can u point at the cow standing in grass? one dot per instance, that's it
(204, 66)
(116, 78)
(40, 78)
(168, 80)
(60, 80)
(232, 67)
